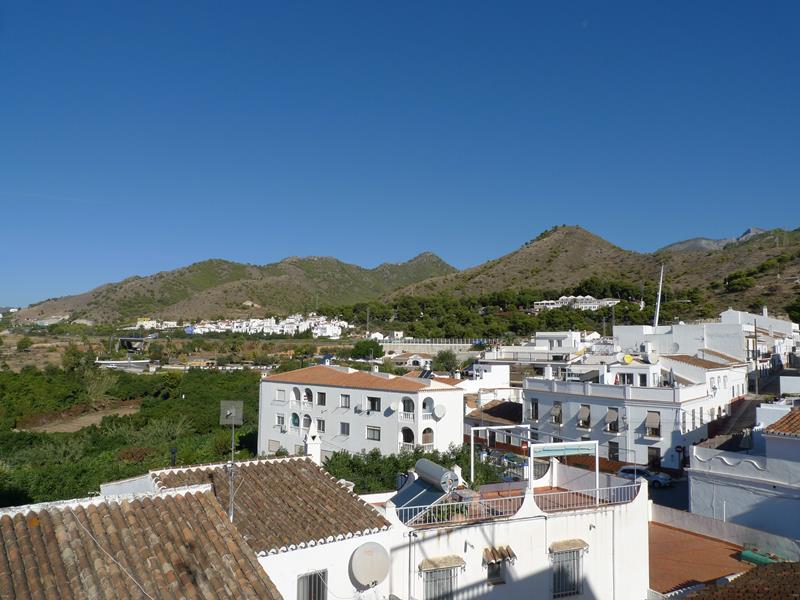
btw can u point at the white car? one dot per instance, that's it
(654, 478)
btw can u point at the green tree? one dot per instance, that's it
(24, 344)
(793, 310)
(445, 360)
(366, 349)
(72, 359)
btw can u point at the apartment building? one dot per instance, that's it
(641, 412)
(357, 411)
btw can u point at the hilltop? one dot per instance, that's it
(219, 288)
(760, 267)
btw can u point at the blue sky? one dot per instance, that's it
(142, 136)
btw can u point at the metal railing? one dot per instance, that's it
(574, 500)
(407, 416)
(448, 513)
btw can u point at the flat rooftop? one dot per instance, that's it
(680, 558)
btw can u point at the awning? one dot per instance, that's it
(566, 545)
(653, 420)
(583, 413)
(612, 415)
(441, 562)
(557, 410)
(496, 554)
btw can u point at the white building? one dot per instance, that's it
(576, 302)
(411, 360)
(757, 486)
(639, 412)
(357, 410)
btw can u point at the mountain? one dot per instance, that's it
(760, 267)
(219, 288)
(701, 243)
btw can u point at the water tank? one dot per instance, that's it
(444, 479)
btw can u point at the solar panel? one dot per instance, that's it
(419, 494)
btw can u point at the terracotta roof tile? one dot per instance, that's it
(778, 581)
(283, 503)
(695, 361)
(169, 546)
(330, 376)
(788, 424)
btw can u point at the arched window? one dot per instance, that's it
(295, 418)
(296, 394)
(408, 405)
(308, 396)
(427, 405)
(427, 435)
(407, 435)
(306, 421)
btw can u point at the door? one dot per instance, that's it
(654, 457)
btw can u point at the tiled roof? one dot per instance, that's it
(407, 355)
(499, 411)
(695, 361)
(177, 545)
(788, 424)
(283, 504)
(330, 376)
(778, 581)
(726, 357)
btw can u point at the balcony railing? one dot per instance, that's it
(407, 446)
(448, 513)
(427, 416)
(574, 500)
(407, 416)
(306, 405)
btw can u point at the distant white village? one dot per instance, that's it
(319, 325)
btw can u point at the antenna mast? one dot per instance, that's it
(658, 300)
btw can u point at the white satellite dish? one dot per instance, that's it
(369, 564)
(394, 405)
(439, 411)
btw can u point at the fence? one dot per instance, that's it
(574, 500)
(475, 509)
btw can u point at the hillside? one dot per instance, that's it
(219, 288)
(764, 268)
(705, 244)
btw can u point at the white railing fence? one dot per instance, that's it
(456, 512)
(573, 500)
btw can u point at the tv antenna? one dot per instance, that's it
(230, 413)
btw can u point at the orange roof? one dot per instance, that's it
(788, 424)
(723, 356)
(695, 361)
(333, 377)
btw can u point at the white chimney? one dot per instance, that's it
(313, 444)
(548, 372)
(374, 368)
(764, 311)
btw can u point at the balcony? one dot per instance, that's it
(427, 416)
(407, 446)
(407, 416)
(561, 500)
(448, 513)
(306, 405)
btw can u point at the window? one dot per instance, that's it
(313, 586)
(567, 573)
(344, 401)
(374, 433)
(694, 420)
(612, 420)
(652, 424)
(613, 450)
(306, 421)
(321, 425)
(280, 395)
(642, 379)
(533, 410)
(584, 416)
(496, 573)
(683, 422)
(555, 416)
(440, 584)
(624, 378)
(585, 438)
(321, 398)
(725, 381)
(654, 457)
(344, 428)
(295, 420)
(280, 419)
(373, 404)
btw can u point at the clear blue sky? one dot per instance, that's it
(142, 136)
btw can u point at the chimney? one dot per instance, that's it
(374, 368)
(548, 372)
(764, 311)
(313, 444)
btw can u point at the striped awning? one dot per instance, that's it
(497, 554)
(441, 562)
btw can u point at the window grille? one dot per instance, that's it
(440, 584)
(567, 573)
(313, 586)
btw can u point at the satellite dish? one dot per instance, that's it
(619, 356)
(439, 411)
(394, 405)
(369, 564)
(675, 347)
(652, 357)
(627, 359)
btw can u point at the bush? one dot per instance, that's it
(24, 344)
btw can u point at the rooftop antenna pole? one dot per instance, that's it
(658, 300)
(231, 414)
(231, 474)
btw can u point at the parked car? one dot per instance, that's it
(653, 478)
